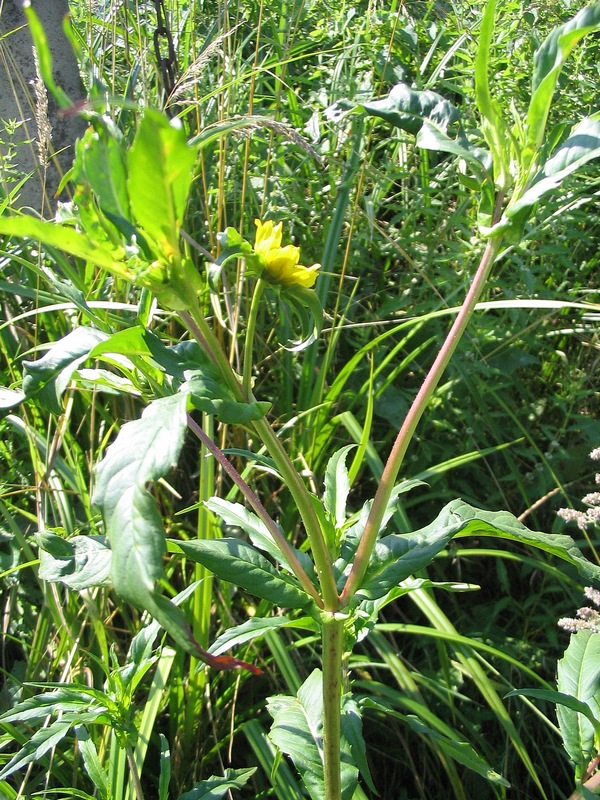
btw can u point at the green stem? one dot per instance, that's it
(333, 651)
(277, 536)
(249, 343)
(404, 437)
(134, 775)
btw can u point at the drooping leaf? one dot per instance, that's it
(351, 726)
(241, 564)
(10, 398)
(144, 451)
(48, 377)
(297, 731)
(302, 311)
(44, 57)
(578, 675)
(547, 66)
(255, 628)
(160, 164)
(408, 109)
(214, 788)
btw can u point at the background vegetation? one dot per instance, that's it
(510, 427)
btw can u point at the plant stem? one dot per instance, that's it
(404, 437)
(249, 342)
(333, 651)
(261, 511)
(134, 774)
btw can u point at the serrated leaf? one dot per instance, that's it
(547, 66)
(337, 486)
(578, 675)
(93, 765)
(37, 746)
(239, 563)
(84, 561)
(351, 726)
(160, 164)
(48, 377)
(214, 788)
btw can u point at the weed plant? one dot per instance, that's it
(266, 91)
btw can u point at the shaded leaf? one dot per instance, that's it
(209, 392)
(215, 788)
(408, 109)
(84, 561)
(254, 628)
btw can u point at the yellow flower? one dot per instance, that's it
(281, 263)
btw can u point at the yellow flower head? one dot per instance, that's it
(281, 263)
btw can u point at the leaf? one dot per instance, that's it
(160, 164)
(351, 726)
(100, 163)
(239, 563)
(578, 675)
(408, 109)
(397, 556)
(253, 628)
(337, 486)
(44, 57)
(92, 763)
(215, 787)
(49, 377)
(144, 451)
(209, 393)
(10, 398)
(84, 561)
(37, 746)
(582, 145)
(300, 304)
(547, 66)
(238, 515)
(297, 731)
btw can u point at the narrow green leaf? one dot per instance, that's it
(44, 56)
(37, 746)
(160, 164)
(92, 763)
(253, 628)
(239, 563)
(49, 376)
(351, 726)
(548, 63)
(578, 675)
(165, 768)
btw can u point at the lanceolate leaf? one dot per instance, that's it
(216, 787)
(237, 562)
(578, 675)
(548, 63)
(399, 555)
(337, 486)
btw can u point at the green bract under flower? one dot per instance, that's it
(281, 263)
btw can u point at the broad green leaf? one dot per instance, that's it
(297, 731)
(337, 486)
(214, 788)
(239, 563)
(408, 109)
(160, 164)
(49, 376)
(144, 451)
(79, 563)
(582, 145)
(547, 66)
(10, 398)
(258, 533)
(578, 675)
(397, 556)
(209, 393)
